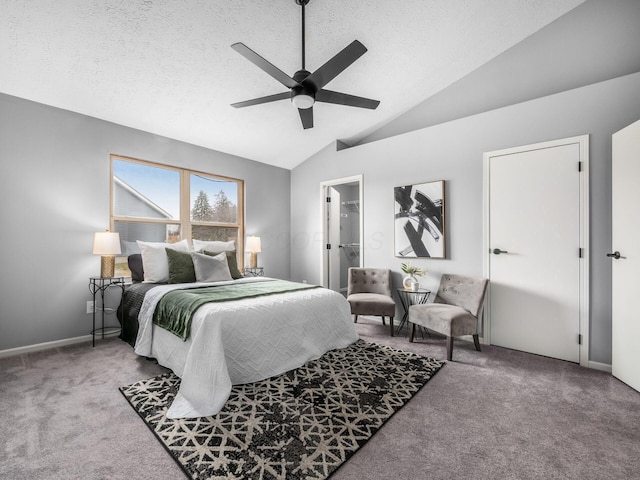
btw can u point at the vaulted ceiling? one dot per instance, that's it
(167, 67)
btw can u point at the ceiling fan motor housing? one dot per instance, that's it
(307, 89)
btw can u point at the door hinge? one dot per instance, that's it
(328, 199)
(580, 252)
(328, 246)
(579, 166)
(579, 339)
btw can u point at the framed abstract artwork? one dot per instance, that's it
(419, 220)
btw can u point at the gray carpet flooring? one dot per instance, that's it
(495, 414)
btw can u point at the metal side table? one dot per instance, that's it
(253, 272)
(411, 297)
(99, 285)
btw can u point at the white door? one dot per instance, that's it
(534, 244)
(625, 361)
(333, 245)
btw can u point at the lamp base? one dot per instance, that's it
(107, 266)
(253, 260)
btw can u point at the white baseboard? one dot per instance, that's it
(604, 367)
(43, 346)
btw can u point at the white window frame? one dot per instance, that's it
(184, 221)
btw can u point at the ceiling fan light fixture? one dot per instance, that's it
(303, 101)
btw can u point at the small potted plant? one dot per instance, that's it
(410, 282)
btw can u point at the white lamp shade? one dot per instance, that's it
(253, 245)
(106, 243)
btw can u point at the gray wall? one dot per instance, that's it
(453, 152)
(54, 180)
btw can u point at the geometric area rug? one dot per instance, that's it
(302, 424)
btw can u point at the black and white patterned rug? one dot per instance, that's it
(302, 424)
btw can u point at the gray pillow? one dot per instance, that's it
(232, 262)
(135, 265)
(211, 268)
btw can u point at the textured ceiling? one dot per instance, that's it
(167, 67)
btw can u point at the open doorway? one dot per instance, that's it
(342, 230)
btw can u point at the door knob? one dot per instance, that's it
(497, 251)
(615, 255)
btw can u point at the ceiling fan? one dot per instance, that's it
(305, 87)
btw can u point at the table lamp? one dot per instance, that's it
(107, 244)
(253, 247)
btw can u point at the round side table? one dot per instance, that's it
(411, 297)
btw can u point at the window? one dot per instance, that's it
(158, 203)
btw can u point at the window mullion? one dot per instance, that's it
(185, 207)
(240, 220)
(168, 221)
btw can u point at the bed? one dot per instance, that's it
(237, 341)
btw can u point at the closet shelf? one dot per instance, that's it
(352, 203)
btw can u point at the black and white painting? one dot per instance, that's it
(419, 220)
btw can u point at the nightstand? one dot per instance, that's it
(99, 285)
(253, 272)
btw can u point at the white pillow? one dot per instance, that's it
(211, 269)
(154, 259)
(213, 246)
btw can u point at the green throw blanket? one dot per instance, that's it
(175, 309)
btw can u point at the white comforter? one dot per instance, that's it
(242, 341)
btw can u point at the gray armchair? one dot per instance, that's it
(455, 310)
(369, 293)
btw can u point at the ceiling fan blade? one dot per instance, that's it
(264, 65)
(329, 96)
(267, 99)
(306, 115)
(336, 65)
